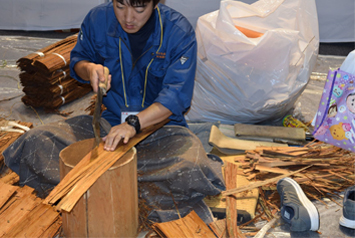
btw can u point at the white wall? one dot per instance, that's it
(193, 9)
(336, 17)
(44, 14)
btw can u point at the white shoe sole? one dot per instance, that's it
(346, 222)
(307, 204)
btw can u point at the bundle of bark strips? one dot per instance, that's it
(46, 78)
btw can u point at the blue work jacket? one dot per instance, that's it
(171, 62)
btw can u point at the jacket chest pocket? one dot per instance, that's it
(158, 69)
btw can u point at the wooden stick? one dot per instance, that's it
(231, 203)
(265, 228)
(271, 170)
(230, 173)
(262, 183)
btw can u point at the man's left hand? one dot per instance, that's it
(117, 133)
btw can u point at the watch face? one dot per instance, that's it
(133, 120)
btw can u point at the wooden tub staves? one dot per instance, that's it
(110, 207)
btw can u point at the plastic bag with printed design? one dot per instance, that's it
(335, 119)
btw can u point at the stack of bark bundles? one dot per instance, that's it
(46, 78)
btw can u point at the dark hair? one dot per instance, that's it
(137, 2)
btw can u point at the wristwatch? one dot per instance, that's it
(133, 120)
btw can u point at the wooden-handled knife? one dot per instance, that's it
(102, 88)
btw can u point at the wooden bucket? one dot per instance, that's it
(110, 207)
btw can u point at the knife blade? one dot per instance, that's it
(102, 88)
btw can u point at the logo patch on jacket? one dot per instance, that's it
(183, 59)
(161, 55)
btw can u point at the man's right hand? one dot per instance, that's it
(92, 72)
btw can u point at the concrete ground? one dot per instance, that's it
(16, 44)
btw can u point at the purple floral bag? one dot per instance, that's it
(335, 119)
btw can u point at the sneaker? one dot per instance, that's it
(348, 217)
(296, 209)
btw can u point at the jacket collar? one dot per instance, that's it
(157, 31)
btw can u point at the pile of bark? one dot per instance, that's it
(331, 171)
(322, 171)
(22, 213)
(46, 78)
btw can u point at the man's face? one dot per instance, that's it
(132, 18)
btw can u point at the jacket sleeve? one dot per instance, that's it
(84, 48)
(178, 82)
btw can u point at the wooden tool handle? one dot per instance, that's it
(103, 85)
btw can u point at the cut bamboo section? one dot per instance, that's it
(85, 173)
(189, 226)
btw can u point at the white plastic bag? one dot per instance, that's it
(349, 63)
(242, 79)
